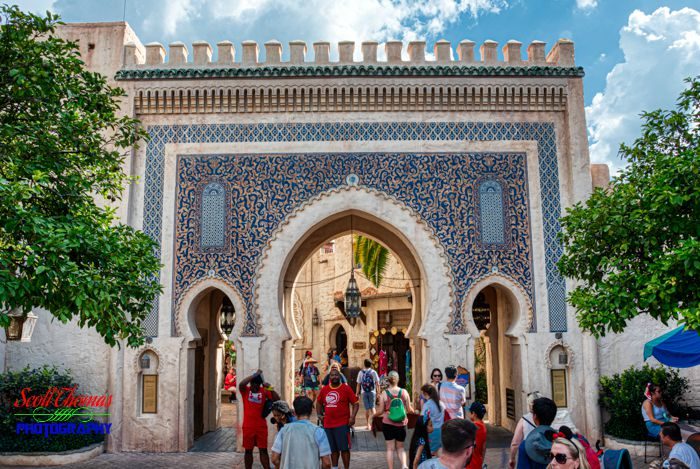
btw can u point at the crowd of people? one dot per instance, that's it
(447, 433)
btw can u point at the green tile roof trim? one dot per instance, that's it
(349, 71)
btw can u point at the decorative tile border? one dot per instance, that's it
(347, 71)
(542, 133)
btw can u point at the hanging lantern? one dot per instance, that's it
(21, 326)
(228, 316)
(353, 301)
(145, 361)
(353, 298)
(481, 312)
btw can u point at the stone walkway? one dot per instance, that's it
(215, 449)
(496, 458)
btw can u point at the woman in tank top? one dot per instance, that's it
(654, 411)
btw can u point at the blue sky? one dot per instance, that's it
(635, 53)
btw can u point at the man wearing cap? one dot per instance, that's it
(476, 412)
(254, 392)
(457, 446)
(533, 453)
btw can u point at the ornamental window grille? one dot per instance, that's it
(213, 216)
(491, 212)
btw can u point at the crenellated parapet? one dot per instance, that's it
(432, 83)
(399, 60)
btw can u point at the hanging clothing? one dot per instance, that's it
(383, 363)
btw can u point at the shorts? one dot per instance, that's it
(368, 399)
(253, 437)
(309, 385)
(394, 432)
(339, 438)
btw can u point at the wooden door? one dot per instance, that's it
(198, 392)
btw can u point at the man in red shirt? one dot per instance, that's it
(477, 411)
(254, 392)
(335, 401)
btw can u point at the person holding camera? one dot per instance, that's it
(254, 392)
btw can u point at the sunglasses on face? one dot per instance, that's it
(559, 457)
(437, 376)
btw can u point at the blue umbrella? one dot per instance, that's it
(679, 348)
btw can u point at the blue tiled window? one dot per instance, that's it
(491, 212)
(213, 216)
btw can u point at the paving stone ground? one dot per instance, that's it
(215, 450)
(496, 458)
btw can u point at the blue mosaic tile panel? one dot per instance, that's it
(213, 216)
(491, 212)
(542, 133)
(266, 189)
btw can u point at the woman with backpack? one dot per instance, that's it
(394, 405)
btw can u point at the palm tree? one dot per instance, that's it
(373, 257)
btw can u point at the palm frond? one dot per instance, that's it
(373, 257)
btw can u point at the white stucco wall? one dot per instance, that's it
(67, 346)
(621, 351)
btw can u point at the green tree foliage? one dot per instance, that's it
(40, 380)
(62, 144)
(373, 257)
(622, 395)
(635, 247)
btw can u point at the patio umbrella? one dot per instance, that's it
(679, 348)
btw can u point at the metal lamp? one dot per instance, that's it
(21, 326)
(353, 298)
(145, 361)
(481, 312)
(228, 316)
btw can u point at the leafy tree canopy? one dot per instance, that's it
(635, 247)
(62, 144)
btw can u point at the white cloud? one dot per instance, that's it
(310, 20)
(660, 50)
(586, 4)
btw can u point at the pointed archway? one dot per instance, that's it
(385, 219)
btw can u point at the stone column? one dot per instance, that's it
(591, 375)
(459, 345)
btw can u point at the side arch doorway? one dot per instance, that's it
(211, 414)
(500, 371)
(339, 339)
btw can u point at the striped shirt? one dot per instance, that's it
(453, 396)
